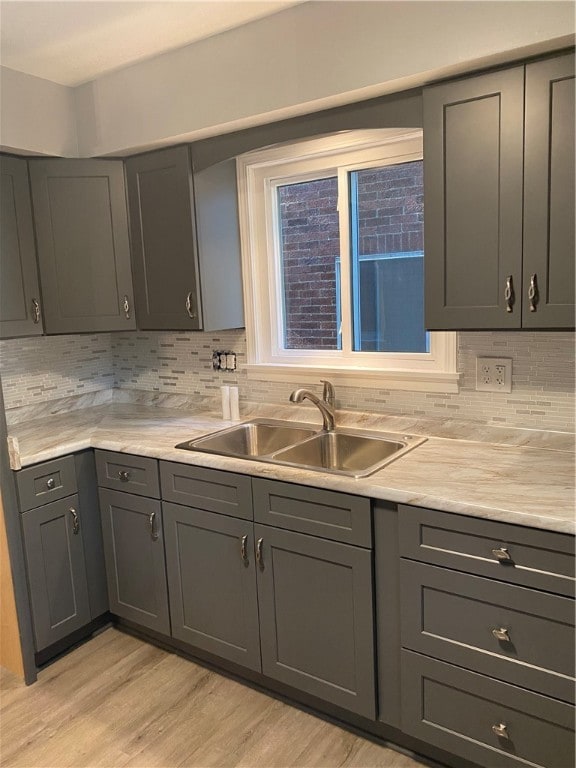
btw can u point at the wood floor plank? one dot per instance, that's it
(118, 702)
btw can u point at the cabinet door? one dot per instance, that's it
(19, 289)
(83, 249)
(212, 583)
(163, 234)
(473, 155)
(316, 624)
(135, 562)
(56, 570)
(548, 284)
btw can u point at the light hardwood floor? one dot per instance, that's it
(117, 701)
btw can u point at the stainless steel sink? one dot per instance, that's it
(347, 452)
(355, 453)
(261, 437)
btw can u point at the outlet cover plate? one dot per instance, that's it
(494, 374)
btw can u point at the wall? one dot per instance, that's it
(43, 370)
(36, 116)
(324, 54)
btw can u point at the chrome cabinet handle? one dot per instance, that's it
(188, 305)
(509, 294)
(501, 730)
(502, 555)
(501, 634)
(75, 521)
(259, 557)
(35, 311)
(151, 521)
(50, 483)
(244, 549)
(126, 307)
(533, 293)
(124, 475)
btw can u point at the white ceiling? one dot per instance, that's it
(73, 41)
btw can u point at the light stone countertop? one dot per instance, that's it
(512, 476)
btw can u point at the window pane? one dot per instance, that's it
(387, 211)
(310, 246)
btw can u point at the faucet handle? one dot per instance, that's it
(328, 394)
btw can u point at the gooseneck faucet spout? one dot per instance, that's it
(326, 407)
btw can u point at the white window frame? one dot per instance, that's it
(259, 175)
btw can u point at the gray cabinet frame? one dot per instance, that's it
(20, 299)
(473, 155)
(56, 570)
(212, 583)
(135, 562)
(549, 248)
(297, 640)
(72, 247)
(499, 199)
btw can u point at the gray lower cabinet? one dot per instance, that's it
(212, 583)
(135, 561)
(62, 540)
(316, 623)
(83, 246)
(56, 570)
(19, 288)
(185, 242)
(499, 199)
(484, 720)
(487, 637)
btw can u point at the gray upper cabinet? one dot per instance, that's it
(499, 199)
(549, 249)
(83, 246)
(473, 146)
(163, 234)
(185, 242)
(19, 290)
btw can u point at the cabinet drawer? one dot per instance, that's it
(124, 472)
(466, 619)
(208, 489)
(331, 515)
(46, 482)
(458, 711)
(526, 556)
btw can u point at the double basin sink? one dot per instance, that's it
(349, 452)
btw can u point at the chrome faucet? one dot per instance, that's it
(326, 406)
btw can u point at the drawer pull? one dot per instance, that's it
(35, 311)
(75, 521)
(124, 476)
(509, 294)
(501, 730)
(502, 555)
(50, 483)
(259, 557)
(244, 549)
(153, 531)
(501, 634)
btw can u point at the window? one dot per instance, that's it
(333, 259)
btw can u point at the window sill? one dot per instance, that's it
(369, 378)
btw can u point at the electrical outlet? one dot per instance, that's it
(494, 374)
(223, 361)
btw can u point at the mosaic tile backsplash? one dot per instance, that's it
(37, 370)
